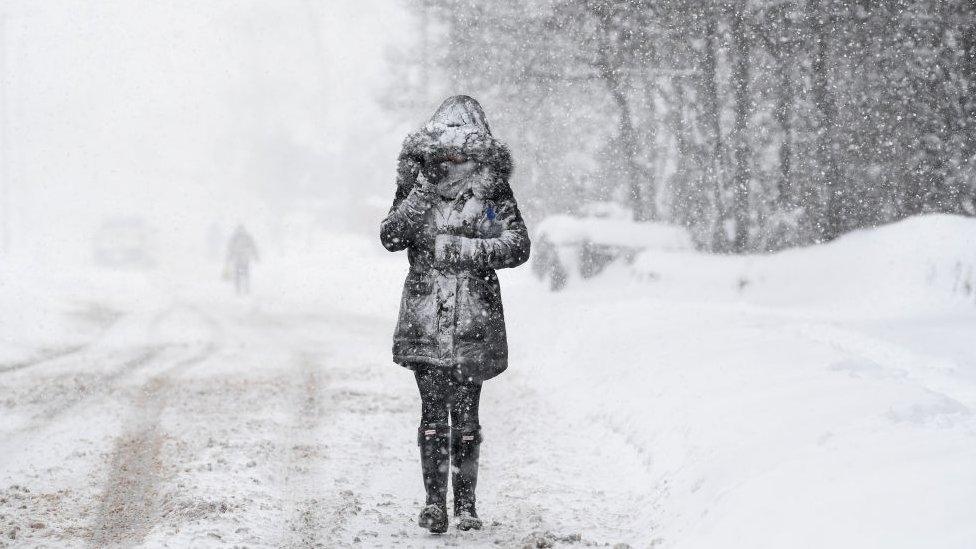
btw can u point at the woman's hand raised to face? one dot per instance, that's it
(424, 183)
(435, 168)
(432, 169)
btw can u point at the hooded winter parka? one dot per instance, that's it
(451, 310)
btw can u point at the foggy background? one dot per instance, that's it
(193, 116)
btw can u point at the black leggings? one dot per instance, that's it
(441, 394)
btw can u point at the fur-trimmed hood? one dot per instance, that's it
(458, 127)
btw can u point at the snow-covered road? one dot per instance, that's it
(216, 423)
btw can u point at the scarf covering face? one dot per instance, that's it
(454, 181)
(457, 121)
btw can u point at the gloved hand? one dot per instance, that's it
(432, 169)
(412, 210)
(425, 184)
(447, 250)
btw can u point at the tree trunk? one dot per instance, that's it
(740, 87)
(787, 195)
(628, 139)
(652, 150)
(831, 214)
(968, 120)
(785, 97)
(712, 131)
(685, 195)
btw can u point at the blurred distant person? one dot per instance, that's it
(241, 251)
(455, 214)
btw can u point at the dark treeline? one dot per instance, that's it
(758, 125)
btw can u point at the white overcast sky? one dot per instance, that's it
(163, 108)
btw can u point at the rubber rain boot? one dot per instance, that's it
(465, 445)
(434, 441)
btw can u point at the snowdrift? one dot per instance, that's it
(820, 397)
(909, 263)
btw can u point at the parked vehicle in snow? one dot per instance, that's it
(122, 242)
(585, 245)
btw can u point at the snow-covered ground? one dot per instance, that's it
(820, 397)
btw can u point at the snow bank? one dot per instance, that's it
(918, 261)
(765, 417)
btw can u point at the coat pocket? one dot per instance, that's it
(418, 311)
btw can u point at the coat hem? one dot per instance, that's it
(408, 362)
(482, 373)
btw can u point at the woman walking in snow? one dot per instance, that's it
(456, 216)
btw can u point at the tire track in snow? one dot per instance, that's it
(316, 489)
(53, 454)
(106, 384)
(305, 456)
(103, 317)
(319, 516)
(103, 383)
(46, 357)
(130, 504)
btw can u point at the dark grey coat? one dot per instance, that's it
(451, 310)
